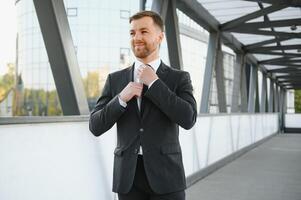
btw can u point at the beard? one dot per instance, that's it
(144, 50)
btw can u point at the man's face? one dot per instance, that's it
(146, 37)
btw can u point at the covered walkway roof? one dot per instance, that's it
(268, 31)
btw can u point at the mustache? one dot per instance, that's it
(138, 42)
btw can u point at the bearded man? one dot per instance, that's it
(148, 101)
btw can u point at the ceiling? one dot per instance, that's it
(270, 30)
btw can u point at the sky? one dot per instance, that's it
(7, 33)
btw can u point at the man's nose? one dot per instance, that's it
(137, 36)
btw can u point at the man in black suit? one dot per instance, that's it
(148, 101)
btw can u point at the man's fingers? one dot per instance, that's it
(137, 85)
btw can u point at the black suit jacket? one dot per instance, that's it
(165, 105)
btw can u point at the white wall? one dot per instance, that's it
(293, 120)
(63, 161)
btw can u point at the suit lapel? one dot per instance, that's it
(145, 103)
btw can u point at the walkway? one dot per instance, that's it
(271, 171)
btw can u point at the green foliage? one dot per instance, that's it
(7, 81)
(298, 101)
(40, 102)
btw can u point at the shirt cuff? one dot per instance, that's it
(122, 103)
(152, 83)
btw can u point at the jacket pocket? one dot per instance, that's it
(171, 149)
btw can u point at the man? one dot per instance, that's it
(148, 101)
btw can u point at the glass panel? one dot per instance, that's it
(35, 89)
(102, 45)
(194, 43)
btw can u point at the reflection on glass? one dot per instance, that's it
(101, 39)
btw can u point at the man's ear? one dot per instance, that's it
(161, 36)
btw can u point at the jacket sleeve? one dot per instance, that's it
(106, 111)
(179, 106)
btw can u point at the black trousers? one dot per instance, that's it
(142, 191)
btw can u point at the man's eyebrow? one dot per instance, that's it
(141, 29)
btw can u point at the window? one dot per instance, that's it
(124, 14)
(71, 12)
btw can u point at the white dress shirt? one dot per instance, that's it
(155, 65)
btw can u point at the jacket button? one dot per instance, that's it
(141, 129)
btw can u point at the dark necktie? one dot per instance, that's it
(142, 98)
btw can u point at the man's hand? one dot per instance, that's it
(131, 90)
(146, 75)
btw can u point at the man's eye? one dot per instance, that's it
(144, 32)
(131, 33)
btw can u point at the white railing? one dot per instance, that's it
(292, 120)
(62, 160)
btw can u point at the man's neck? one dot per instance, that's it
(149, 58)
(145, 61)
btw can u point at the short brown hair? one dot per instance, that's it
(156, 18)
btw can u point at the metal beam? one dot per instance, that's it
(285, 65)
(275, 60)
(277, 53)
(293, 88)
(257, 104)
(267, 19)
(284, 70)
(268, 33)
(236, 90)
(290, 76)
(281, 109)
(173, 36)
(220, 82)
(199, 14)
(260, 44)
(61, 54)
(289, 80)
(241, 20)
(272, 48)
(160, 7)
(284, 101)
(142, 5)
(252, 89)
(276, 108)
(270, 24)
(263, 101)
(167, 10)
(295, 3)
(210, 65)
(244, 86)
(271, 97)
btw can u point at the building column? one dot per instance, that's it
(236, 90)
(142, 5)
(220, 81)
(263, 101)
(62, 58)
(252, 89)
(271, 96)
(167, 10)
(244, 89)
(210, 65)
(257, 105)
(276, 98)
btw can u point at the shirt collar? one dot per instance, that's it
(155, 64)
